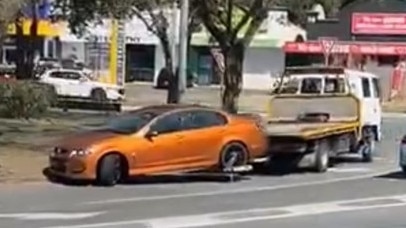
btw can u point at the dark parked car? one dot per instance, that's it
(164, 75)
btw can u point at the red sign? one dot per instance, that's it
(366, 48)
(378, 23)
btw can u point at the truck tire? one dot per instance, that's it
(367, 147)
(109, 170)
(321, 162)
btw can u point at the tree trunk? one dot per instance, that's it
(232, 77)
(173, 95)
(21, 50)
(32, 42)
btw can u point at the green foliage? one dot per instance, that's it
(25, 99)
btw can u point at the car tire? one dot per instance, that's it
(321, 162)
(98, 95)
(109, 171)
(235, 151)
(117, 107)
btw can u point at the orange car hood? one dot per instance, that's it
(85, 139)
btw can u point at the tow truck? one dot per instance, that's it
(318, 113)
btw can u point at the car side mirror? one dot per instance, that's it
(82, 79)
(151, 134)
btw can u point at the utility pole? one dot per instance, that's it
(183, 55)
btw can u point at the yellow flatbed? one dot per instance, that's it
(308, 131)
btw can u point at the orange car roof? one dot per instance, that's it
(161, 109)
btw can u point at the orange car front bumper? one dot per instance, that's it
(71, 168)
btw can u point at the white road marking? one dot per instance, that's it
(50, 216)
(393, 115)
(349, 170)
(257, 214)
(235, 191)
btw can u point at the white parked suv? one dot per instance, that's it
(75, 84)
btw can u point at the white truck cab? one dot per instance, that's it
(335, 80)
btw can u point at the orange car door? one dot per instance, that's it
(204, 138)
(164, 151)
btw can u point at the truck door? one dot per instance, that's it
(370, 103)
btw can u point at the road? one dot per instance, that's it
(350, 195)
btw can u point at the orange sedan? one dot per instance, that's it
(159, 139)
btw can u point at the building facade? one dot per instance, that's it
(371, 34)
(144, 55)
(48, 33)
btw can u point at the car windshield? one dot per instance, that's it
(130, 123)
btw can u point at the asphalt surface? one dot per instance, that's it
(350, 195)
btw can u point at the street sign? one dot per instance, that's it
(327, 44)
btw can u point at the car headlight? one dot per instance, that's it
(79, 153)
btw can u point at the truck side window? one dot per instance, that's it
(376, 88)
(366, 87)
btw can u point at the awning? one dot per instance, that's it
(346, 47)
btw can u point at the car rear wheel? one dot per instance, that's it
(109, 171)
(233, 155)
(99, 96)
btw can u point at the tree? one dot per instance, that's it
(153, 13)
(233, 35)
(9, 11)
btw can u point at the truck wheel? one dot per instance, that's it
(322, 156)
(367, 147)
(98, 95)
(233, 155)
(109, 170)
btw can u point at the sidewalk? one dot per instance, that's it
(144, 94)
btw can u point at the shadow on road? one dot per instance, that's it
(393, 176)
(151, 180)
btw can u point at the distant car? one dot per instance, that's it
(159, 139)
(76, 84)
(163, 78)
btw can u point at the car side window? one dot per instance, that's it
(203, 119)
(72, 76)
(366, 87)
(56, 75)
(168, 124)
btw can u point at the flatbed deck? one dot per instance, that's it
(308, 130)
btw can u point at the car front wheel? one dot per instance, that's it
(109, 170)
